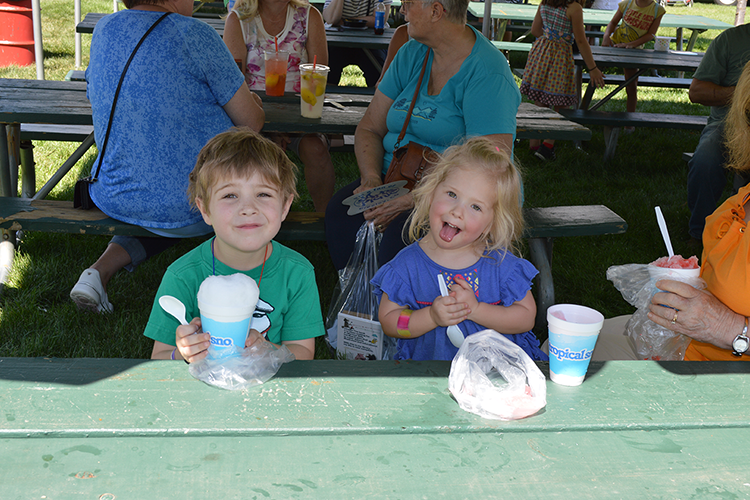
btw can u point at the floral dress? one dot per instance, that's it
(292, 39)
(549, 76)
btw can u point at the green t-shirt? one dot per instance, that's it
(288, 309)
(723, 63)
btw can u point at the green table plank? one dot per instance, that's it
(336, 429)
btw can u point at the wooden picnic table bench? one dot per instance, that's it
(614, 121)
(112, 429)
(543, 225)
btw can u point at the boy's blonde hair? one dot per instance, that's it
(490, 165)
(241, 152)
(248, 9)
(737, 125)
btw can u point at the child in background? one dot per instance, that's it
(243, 184)
(254, 26)
(640, 21)
(465, 223)
(549, 77)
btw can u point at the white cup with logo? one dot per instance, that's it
(573, 331)
(661, 43)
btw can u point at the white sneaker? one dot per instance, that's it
(89, 293)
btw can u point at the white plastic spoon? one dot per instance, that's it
(453, 331)
(664, 231)
(174, 307)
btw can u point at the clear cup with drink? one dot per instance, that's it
(313, 79)
(573, 331)
(276, 66)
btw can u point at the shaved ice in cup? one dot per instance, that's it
(226, 306)
(675, 267)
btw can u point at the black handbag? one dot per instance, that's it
(81, 196)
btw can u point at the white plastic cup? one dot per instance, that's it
(664, 273)
(312, 89)
(573, 331)
(228, 326)
(661, 43)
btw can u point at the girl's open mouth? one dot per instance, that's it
(448, 232)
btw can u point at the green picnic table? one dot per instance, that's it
(501, 13)
(115, 429)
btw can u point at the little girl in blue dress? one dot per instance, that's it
(466, 221)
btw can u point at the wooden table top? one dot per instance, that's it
(596, 17)
(363, 39)
(669, 60)
(86, 428)
(65, 103)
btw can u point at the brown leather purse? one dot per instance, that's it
(413, 161)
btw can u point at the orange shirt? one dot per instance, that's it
(726, 269)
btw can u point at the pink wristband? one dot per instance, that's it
(402, 326)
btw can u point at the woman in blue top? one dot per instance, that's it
(467, 90)
(181, 89)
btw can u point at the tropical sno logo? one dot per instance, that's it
(566, 353)
(223, 341)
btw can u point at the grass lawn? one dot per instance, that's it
(38, 319)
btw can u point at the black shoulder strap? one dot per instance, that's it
(117, 94)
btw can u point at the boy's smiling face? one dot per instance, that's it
(246, 214)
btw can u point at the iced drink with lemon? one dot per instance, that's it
(312, 89)
(276, 64)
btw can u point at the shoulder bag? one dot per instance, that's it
(413, 161)
(81, 196)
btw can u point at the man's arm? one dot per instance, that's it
(709, 94)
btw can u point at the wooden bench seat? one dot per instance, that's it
(613, 121)
(543, 225)
(643, 81)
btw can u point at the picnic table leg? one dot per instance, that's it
(372, 59)
(610, 141)
(614, 92)
(540, 253)
(4, 162)
(64, 168)
(28, 170)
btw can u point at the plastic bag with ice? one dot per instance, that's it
(494, 378)
(637, 284)
(241, 368)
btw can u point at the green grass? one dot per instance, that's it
(38, 319)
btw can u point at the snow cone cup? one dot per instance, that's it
(674, 268)
(312, 89)
(276, 65)
(226, 305)
(228, 326)
(661, 43)
(573, 331)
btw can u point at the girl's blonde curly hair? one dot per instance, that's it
(488, 164)
(737, 124)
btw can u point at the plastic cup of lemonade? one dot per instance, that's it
(312, 89)
(573, 331)
(276, 65)
(226, 305)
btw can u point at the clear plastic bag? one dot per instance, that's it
(485, 358)
(236, 368)
(649, 340)
(353, 294)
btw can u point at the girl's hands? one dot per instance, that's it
(464, 292)
(253, 337)
(446, 311)
(193, 346)
(597, 78)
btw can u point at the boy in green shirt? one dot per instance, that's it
(243, 185)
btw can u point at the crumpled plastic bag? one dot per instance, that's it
(235, 368)
(649, 340)
(486, 356)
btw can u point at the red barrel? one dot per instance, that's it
(16, 33)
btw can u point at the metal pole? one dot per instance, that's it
(36, 17)
(487, 19)
(77, 16)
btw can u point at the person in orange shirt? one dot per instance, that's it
(716, 319)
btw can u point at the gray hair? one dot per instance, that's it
(455, 10)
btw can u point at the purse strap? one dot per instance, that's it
(413, 101)
(117, 94)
